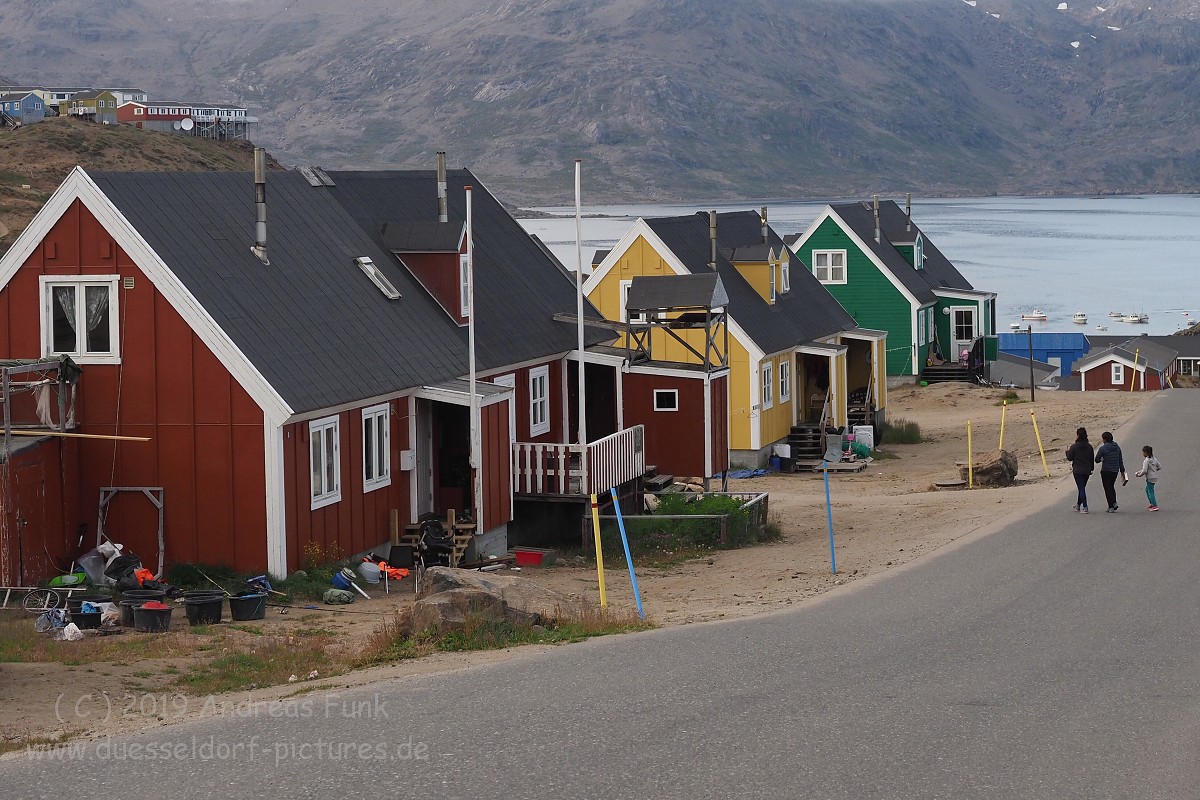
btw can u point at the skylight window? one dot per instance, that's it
(377, 277)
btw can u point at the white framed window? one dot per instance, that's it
(79, 318)
(785, 379)
(666, 399)
(1118, 374)
(929, 318)
(464, 285)
(829, 265)
(919, 253)
(325, 458)
(638, 319)
(377, 450)
(539, 401)
(137, 111)
(785, 277)
(768, 385)
(773, 289)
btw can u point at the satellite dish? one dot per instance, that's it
(176, 125)
(186, 123)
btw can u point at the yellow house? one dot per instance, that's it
(797, 361)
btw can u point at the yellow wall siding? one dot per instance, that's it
(776, 420)
(758, 275)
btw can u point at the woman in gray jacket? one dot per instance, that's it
(1111, 465)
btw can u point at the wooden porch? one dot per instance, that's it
(555, 469)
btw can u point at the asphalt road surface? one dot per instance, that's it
(1055, 658)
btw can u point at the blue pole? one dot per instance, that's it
(829, 516)
(637, 595)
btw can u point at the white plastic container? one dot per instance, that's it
(865, 434)
(369, 572)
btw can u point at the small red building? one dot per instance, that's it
(1134, 365)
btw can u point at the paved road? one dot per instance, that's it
(1058, 658)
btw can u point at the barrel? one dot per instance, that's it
(152, 620)
(248, 606)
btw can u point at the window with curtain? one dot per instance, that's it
(79, 318)
(377, 466)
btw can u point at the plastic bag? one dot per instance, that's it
(71, 633)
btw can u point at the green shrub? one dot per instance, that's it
(901, 431)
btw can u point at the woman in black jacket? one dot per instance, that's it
(1082, 458)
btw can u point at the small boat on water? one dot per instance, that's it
(1034, 316)
(1136, 318)
(1101, 327)
(1016, 326)
(1115, 314)
(1079, 318)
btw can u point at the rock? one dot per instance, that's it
(452, 596)
(651, 503)
(997, 468)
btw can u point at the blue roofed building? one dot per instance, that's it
(1060, 350)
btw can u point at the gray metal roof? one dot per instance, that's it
(1137, 350)
(655, 292)
(939, 272)
(805, 313)
(422, 237)
(311, 322)
(1185, 346)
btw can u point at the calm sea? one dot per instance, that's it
(1129, 254)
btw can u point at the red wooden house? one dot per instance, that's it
(1134, 365)
(296, 387)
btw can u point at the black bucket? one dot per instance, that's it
(203, 610)
(144, 595)
(248, 606)
(127, 609)
(76, 600)
(85, 621)
(152, 620)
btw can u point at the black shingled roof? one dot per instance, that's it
(861, 220)
(317, 329)
(805, 313)
(939, 272)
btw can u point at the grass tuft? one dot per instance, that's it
(901, 431)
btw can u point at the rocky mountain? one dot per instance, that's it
(672, 99)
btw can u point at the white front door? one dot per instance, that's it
(962, 328)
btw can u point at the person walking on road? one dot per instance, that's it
(1150, 468)
(1108, 456)
(1082, 458)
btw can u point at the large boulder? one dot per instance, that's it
(997, 468)
(450, 597)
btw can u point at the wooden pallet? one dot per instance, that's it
(838, 466)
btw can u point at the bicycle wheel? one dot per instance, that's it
(39, 600)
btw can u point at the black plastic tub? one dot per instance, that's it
(248, 606)
(86, 621)
(152, 620)
(127, 609)
(76, 600)
(203, 610)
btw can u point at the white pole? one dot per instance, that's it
(476, 447)
(583, 463)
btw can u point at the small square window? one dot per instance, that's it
(1118, 374)
(829, 266)
(79, 318)
(666, 399)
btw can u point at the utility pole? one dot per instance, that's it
(1030, 331)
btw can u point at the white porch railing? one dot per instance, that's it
(555, 469)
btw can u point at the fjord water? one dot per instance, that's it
(1059, 255)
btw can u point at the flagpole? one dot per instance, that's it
(476, 474)
(582, 410)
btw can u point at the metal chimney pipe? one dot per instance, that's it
(260, 205)
(443, 213)
(763, 217)
(712, 240)
(908, 211)
(877, 237)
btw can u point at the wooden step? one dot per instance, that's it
(659, 482)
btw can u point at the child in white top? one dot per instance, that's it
(1150, 468)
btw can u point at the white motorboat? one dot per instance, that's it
(1016, 326)
(1079, 318)
(1101, 327)
(1115, 314)
(1136, 318)
(1034, 316)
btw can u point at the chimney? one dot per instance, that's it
(876, 205)
(763, 216)
(443, 213)
(908, 211)
(260, 205)
(712, 240)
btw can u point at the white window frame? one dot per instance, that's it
(829, 270)
(922, 326)
(661, 395)
(768, 384)
(774, 294)
(785, 379)
(377, 472)
(785, 275)
(638, 319)
(327, 490)
(464, 285)
(1118, 374)
(80, 282)
(919, 253)
(539, 401)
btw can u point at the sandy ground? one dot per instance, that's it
(883, 517)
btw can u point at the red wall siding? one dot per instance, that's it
(719, 389)
(521, 395)
(40, 543)
(438, 272)
(674, 439)
(359, 521)
(497, 465)
(1099, 378)
(206, 447)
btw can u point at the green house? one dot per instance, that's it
(879, 265)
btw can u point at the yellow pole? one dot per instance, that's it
(1003, 414)
(1133, 377)
(82, 436)
(1039, 441)
(970, 466)
(599, 552)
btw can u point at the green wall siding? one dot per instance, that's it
(868, 295)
